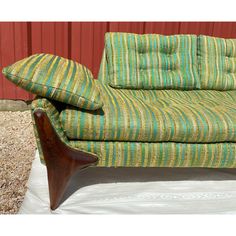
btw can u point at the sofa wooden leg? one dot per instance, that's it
(61, 160)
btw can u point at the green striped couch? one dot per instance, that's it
(168, 101)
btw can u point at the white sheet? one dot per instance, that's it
(138, 191)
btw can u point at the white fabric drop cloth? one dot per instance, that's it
(137, 191)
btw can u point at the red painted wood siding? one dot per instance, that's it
(82, 41)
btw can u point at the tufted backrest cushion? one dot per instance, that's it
(152, 61)
(217, 63)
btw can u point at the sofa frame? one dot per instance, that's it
(59, 170)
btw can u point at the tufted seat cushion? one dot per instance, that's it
(152, 61)
(217, 63)
(155, 116)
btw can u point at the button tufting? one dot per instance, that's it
(168, 50)
(140, 51)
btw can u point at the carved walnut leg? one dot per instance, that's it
(62, 161)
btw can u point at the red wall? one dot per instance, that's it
(82, 41)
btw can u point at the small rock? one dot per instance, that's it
(17, 151)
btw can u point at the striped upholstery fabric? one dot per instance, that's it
(165, 154)
(56, 78)
(152, 61)
(155, 116)
(103, 76)
(217, 63)
(140, 154)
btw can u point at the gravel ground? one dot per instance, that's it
(17, 150)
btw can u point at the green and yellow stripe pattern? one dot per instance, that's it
(143, 154)
(152, 61)
(163, 154)
(56, 78)
(217, 63)
(194, 116)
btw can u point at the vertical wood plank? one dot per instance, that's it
(114, 27)
(86, 47)
(165, 28)
(124, 27)
(7, 58)
(75, 41)
(36, 37)
(48, 37)
(128, 27)
(198, 28)
(61, 39)
(100, 28)
(21, 51)
(137, 27)
(224, 29)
